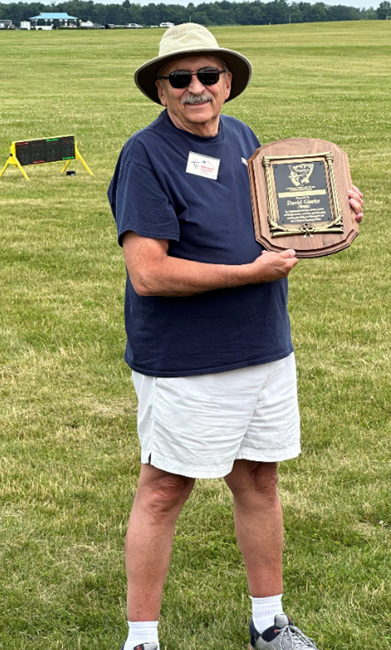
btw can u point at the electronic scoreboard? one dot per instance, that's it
(33, 152)
(45, 150)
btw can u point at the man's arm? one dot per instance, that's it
(153, 272)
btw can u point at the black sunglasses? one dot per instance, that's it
(182, 78)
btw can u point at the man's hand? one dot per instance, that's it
(270, 267)
(356, 202)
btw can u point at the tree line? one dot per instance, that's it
(207, 13)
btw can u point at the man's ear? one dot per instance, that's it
(228, 83)
(160, 92)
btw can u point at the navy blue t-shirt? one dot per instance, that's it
(207, 220)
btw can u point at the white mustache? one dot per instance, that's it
(197, 99)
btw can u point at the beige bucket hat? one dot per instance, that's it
(189, 39)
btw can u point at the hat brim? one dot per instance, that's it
(240, 67)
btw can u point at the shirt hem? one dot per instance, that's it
(145, 233)
(208, 371)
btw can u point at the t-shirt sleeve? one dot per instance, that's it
(138, 201)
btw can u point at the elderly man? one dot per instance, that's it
(208, 330)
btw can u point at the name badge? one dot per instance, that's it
(201, 165)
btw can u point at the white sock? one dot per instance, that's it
(141, 632)
(264, 611)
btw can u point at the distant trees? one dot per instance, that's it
(208, 13)
(384, 10)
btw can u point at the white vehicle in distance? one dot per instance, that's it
(133, 26)
(167, 25)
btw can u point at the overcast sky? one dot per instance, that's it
(349, 3)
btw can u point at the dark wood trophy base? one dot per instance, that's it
(299, 193)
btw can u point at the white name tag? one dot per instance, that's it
(201, 165)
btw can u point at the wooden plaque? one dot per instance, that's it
(299, 193)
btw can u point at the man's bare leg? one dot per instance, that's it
(258, 524)
(159, 499)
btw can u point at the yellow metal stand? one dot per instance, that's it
(12, 160)
(77, 157)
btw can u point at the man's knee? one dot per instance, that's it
(265, 478)
(163, 492)
(255, 477)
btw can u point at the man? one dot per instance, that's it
(208, 330)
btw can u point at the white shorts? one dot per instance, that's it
(198, 426)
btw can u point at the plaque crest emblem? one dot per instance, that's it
(300, 174)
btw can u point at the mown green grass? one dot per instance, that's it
(69, 451)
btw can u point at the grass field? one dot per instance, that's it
(68, 447)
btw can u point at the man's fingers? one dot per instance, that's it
(288, 253)
(355, 189)
(357, 207)
(356, 202)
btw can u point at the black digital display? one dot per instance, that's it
(23, 153)
(37, 152)
(34, 152)
(53, 151)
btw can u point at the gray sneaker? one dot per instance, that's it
(282, 636)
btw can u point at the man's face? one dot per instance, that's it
(197, 107)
